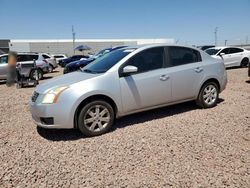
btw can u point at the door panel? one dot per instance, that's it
(150, 86)
(186, 80)
(186, 71)
(145, 89)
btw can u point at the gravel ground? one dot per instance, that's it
(176, 146)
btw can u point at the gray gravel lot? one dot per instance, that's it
(176, 146)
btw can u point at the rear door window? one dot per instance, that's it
(183, 55)
(235, 50)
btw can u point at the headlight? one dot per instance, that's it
(52, 95)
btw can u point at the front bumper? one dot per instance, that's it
(61, 118)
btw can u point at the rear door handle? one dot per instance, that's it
(198, 69)
(164, 77)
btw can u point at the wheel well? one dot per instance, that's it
(245, 58)
(212, 80)
(90, 99)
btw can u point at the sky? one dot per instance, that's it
(187, 21)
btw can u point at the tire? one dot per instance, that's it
(51, 68)
(39, 72)
(208, 96)
(244, 62)
(90, 119)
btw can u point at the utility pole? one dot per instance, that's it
(74, 38)
(215, 36)
(226, 42)
(246, 39)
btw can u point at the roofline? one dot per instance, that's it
(90, 40)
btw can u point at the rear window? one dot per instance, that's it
(46, 56)
(182, 55)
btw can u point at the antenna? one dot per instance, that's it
(215, 36)
(74, 38)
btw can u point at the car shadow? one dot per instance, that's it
(60, 134)
(55, 71)
(47, 77)
(157, 114)
(2, 82)
(75, 134)
(248, 81)
(236, 67)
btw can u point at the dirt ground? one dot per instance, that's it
(176, 146)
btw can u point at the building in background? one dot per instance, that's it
(66, 46)
(4, 46)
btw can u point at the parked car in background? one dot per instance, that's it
(41, 63)
(127, 81)
(51, 60)
(66, 61)
(205, 47)
(59, 57)
(232, 56)
(76, 65)
(249, 70)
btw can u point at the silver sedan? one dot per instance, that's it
(126, 81)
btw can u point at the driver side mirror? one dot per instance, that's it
(221, 54)
(129, 70)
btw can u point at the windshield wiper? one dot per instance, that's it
(92, 72)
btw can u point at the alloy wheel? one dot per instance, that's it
(210, 94)
(97, 118)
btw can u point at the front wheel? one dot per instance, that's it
(208, 96)
(96, 118)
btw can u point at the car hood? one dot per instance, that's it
(64, 80)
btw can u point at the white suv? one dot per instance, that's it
(41, 63)
(53, 64)
(232, 56)
(59, 57)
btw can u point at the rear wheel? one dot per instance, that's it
(208, 96)
(51, 68)
(38, 73)
(244, 62)
(96, 118)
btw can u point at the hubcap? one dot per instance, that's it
(210, 94)
(97, 118)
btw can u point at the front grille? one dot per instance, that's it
(34, 96)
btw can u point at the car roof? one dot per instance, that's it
(159, 45)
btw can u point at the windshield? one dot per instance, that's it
(212, 51)
(105, 62)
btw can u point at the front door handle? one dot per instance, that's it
(198, 69)
(164, 77)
